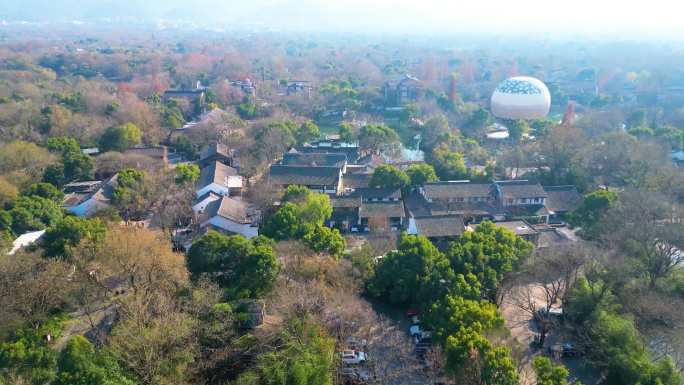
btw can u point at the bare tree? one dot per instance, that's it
(650, 231)
(545, 283)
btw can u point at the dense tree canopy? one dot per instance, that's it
(377, 138)
(246, 268)
(401, 275)
(307, 132)
(388, 176)
(69, 232)
(419, 174)
(45, 190)
(186, 173)
(489, 253)
(80, 364)
(120, 138)
(449, 165)
(30, 213)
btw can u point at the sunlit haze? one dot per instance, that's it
(656, 19)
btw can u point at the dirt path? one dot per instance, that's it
(80, 324)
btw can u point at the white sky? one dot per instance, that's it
(628, 18)
(578, 16)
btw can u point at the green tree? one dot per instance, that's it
(63, 145)
(549, 373)
(78, 167)
(59, 239)
(54, 174)
(517, 129)
(388, 176)
(489, 253)
(377, 138)
(120, 138)
(305, 356)
(245, 268)
(472, 359)
(34, 213)
(422, 173)
(27, 355)
(186, 173)
(80, 364)
(45, 190)
(186, 148)
(347, 133)
(130, 196)
(454, 312)
(301, 212)
(324, 239)
(307, 132)
(284, 223)
(590, 213)
(313, 208)
(402, 276)
(449, 165)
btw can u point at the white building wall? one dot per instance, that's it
(215, 188)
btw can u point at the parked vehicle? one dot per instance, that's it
(425, 336)
(555, 313)
(567, 349)
(352, 357)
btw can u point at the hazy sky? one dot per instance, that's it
(657, 18)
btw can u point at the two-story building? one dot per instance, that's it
(368, 209)
(219, 179)
(518, 199)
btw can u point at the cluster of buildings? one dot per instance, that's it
(217, 205)
(441, 211)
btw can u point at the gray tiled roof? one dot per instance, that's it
(215, 149)
(512, 189)
(440, 226)
(371, 193)
(352, 152)
(356, 181)
(216, 172)
(393, 209)
(314, 159)
(562, 198)
(526, 211)
(233, 209)
(306, 176)
(345, 202)
(458, 189)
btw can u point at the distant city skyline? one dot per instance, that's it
(655, 19)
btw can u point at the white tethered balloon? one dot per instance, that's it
(521, 97)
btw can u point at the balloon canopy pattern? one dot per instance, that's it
(521, 97)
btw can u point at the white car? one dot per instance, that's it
(352, 357)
